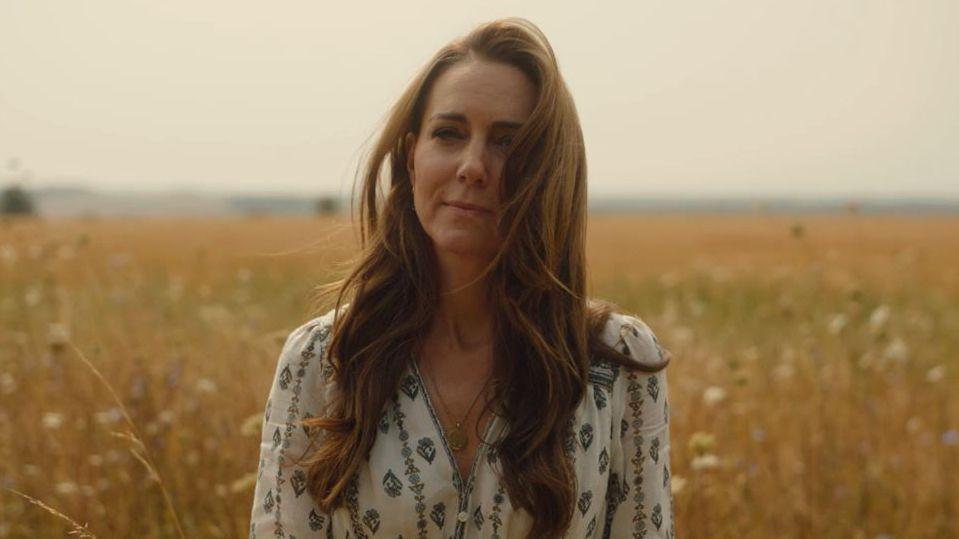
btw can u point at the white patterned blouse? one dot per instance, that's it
(410, 486)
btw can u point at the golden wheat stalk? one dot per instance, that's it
(80, 530)
(143, 455)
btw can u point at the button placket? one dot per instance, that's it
(462, 517)
(464, 491)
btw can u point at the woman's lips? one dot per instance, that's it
(466, 208)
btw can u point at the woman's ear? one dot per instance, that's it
(410, 147)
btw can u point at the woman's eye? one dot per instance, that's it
(447, 133)
(444, 133)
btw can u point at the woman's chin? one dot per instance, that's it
(464, 246)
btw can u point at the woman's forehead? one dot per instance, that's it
(482, 91)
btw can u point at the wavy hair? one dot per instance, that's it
(546, 332)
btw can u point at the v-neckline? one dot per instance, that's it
(481, 448)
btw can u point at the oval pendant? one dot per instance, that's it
(457, 438)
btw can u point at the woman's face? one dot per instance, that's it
(456, 160)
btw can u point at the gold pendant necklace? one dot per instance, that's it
(456, 437)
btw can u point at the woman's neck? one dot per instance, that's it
(463, 320)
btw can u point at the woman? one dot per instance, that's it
(464, 386)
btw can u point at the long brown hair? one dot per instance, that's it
(545, 329)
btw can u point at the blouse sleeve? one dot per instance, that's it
(282, 507)
(639, 500)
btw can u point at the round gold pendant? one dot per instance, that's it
(457, 438)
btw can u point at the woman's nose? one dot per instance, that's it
(473, 168)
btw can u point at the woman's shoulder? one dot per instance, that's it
(303, 353)
(314, 331)
(637, 390)
(619, 388)
(629, 334)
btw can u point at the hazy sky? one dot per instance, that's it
(832, 97)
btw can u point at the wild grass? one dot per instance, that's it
(813, 385)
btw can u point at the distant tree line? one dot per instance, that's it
(15, 200)
(327, 205)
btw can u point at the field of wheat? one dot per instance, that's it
(813, 388)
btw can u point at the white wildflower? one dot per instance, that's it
(166, 417)
(108, 416)
(676, 484)
(95, 460)
(714, 395)
(247, 482)
(57, 335)
(7, 384)
(251, 426)
(205, 385)
(52, 420)
(897, 351)
(65, 487)
(913, 424)
(783, 371)
(708, 461)
(837, 323)
(701, 442)
(936, 374)
(879, 318)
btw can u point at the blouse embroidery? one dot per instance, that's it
(617, 443)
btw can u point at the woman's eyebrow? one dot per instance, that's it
(457, 117)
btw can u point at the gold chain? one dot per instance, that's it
(457, 439)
